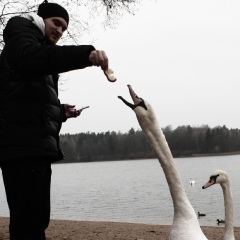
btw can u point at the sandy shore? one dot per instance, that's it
(87, 230)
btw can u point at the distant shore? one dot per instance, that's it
(215, 154)
(91, 230)
(189, 156)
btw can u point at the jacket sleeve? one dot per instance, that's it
(25, 52)
(64, 117)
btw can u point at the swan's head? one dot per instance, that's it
(137, 101)
(144, 112)
(219, 176)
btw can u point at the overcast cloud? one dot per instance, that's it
(182, 56)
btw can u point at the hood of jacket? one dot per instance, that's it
(18, 25)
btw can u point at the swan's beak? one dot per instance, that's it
(209, 183)
(136, 100)
(134, 96)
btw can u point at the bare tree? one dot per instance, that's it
(80, 11)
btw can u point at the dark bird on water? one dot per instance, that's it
(201, 214)
(220, 221)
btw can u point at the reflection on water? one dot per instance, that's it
(136, 190)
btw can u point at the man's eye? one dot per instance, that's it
(56, 23)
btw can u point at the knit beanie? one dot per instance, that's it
(47, 10)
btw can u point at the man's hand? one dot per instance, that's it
(99, 58)
(71, 112)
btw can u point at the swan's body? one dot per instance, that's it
(185, 223)
(223, 179)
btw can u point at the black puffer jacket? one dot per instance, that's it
(30, 112)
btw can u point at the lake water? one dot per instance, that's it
(136, 190)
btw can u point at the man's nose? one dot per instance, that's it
(60, 31)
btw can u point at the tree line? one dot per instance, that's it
(183, 141)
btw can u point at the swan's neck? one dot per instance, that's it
(157, 140)
(185, 223)
(228, 202)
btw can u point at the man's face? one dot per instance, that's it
(54, 28)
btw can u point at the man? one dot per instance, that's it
(31, 114)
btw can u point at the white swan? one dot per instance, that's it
(192, 182)
(223, 179)
(185, 223)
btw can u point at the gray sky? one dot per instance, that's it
(182, 56)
